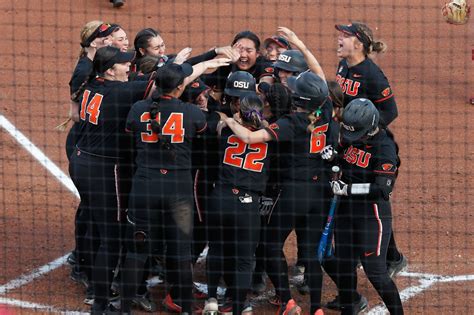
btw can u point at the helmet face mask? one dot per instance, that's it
(360, 120)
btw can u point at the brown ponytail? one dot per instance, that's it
(373, 46)
(251, 107)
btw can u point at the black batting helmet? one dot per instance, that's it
(291, 61)
(310, 91)
(240, 83)
(359, 119)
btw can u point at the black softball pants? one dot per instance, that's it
(160, 208)
(98, 182)
(305, 204)
(234, 228)
(363, 231)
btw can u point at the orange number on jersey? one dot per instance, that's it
(230, 153)
(252, 161)
(318, 139)
(92, 108)
(149, 136)
(173, 127)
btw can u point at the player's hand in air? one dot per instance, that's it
(290, 36)
(183, 55)
(228, 52)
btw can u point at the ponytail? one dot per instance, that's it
(379, 47)
(251, 107)
(75, 96)
(154, 110)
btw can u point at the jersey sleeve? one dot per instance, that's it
(281, 130)
(131, 122)
(199, 119)
(382, 96)
(81, 73)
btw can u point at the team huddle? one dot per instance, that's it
(232, 149)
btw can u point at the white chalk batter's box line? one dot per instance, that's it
(425, 280)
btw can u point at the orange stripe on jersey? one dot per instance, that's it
(379, 238)
(272, 133)
(383, 99)
(203, 128)
(384, 172)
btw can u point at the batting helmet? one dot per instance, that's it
(240, 83)
(310, 91)
(359, 119)
(291, 61)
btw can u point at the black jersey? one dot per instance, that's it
(82, 71)
(242, 165)
(104, 108)
(363, 162)
(217, 79)
(366, 80)
(302, 159)
(179, 121)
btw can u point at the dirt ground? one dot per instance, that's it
(427, 64)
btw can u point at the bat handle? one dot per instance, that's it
(336, 172)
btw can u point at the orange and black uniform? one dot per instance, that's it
(366, 80)
(364, 221)
(303, 200)
(100, 167)
(161, 199)
(234, 219)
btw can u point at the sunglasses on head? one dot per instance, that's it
(98, 32)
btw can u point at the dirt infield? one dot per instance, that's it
(427, 63)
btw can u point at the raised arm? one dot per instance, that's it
(311, 60)
(245, 134)
(201, 67)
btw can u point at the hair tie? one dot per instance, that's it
(248, 114)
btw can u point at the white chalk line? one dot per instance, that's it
(39, 307)
(426, 280)
(38, 154)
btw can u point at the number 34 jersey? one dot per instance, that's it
(179, 123)
(242, 165)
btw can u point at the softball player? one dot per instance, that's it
(94, 35)
(364, 219)
(273, 46)
(305, 188)
(277, 103)
(119, 38)
(102, 155)
(358, 77)
(148, 42)
(161, 199)
(248, 59)
(234, 218)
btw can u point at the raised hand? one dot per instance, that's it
(183, 55)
